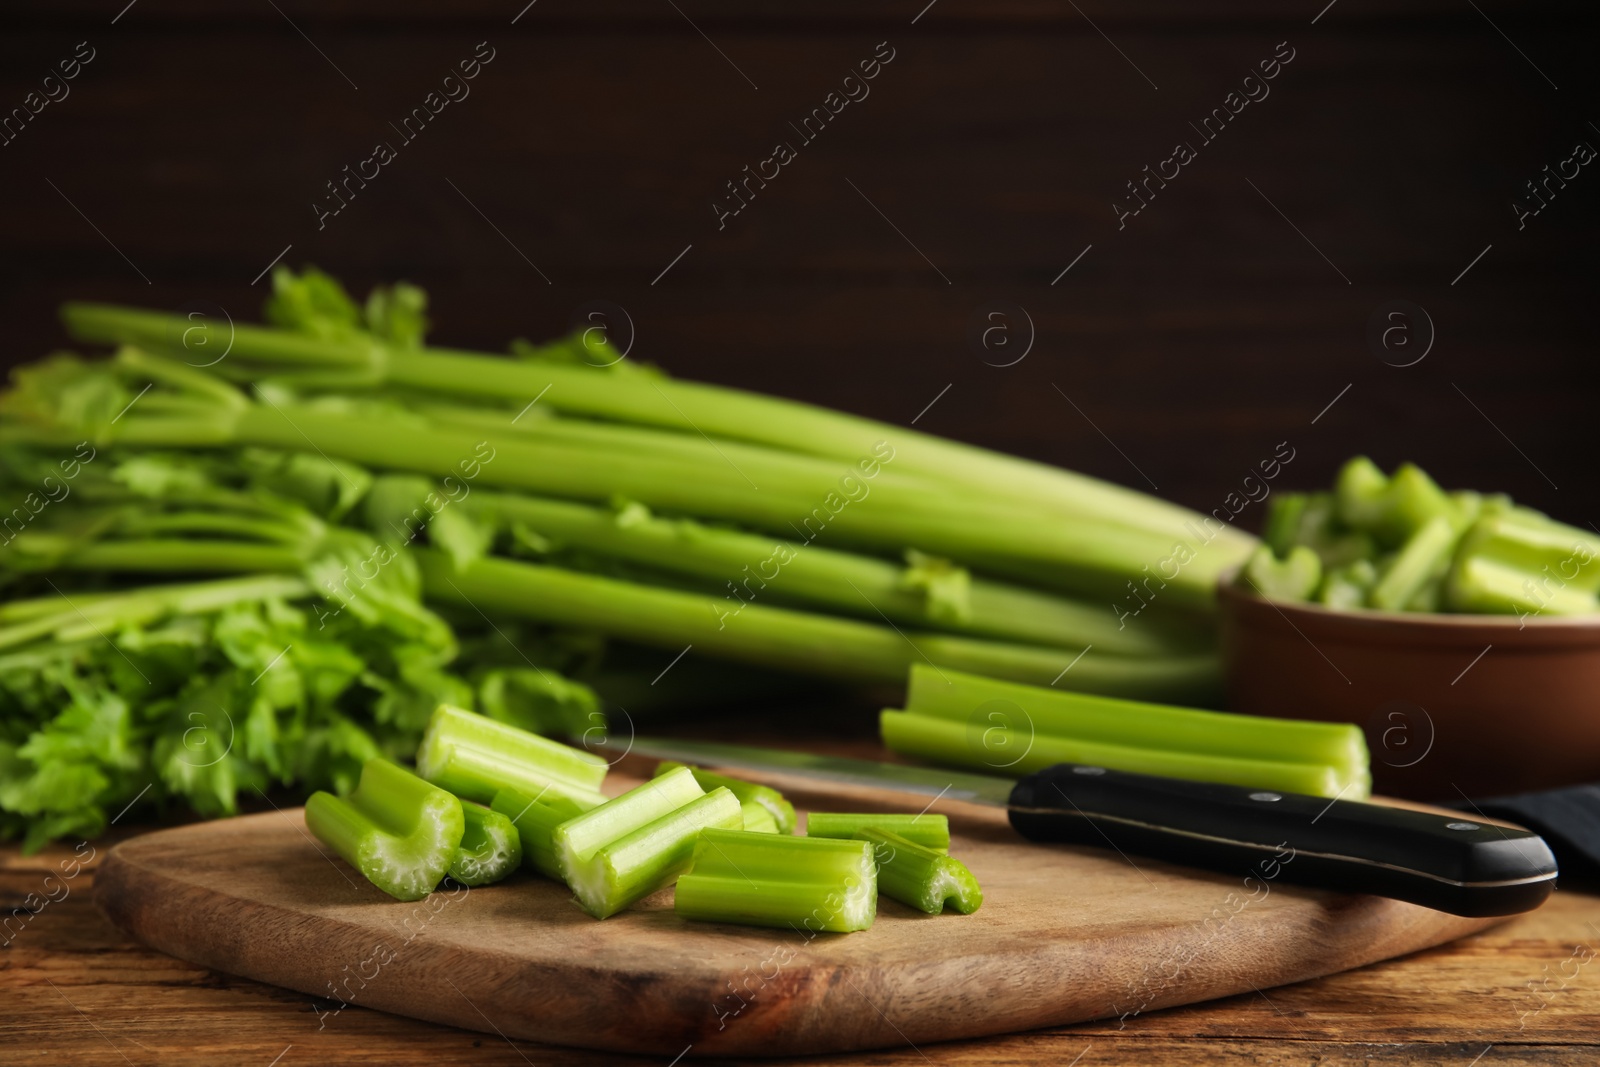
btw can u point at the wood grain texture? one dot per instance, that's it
(78, 990)
(1064, 935)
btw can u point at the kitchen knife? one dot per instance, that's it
(1448, 862)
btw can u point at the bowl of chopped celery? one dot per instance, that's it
(1461, 630)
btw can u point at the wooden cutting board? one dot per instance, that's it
(1065, 935)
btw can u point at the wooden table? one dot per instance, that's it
(76, 990)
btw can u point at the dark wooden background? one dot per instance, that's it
(1195, 339)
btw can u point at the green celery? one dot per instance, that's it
(1413, 501)
(753, 567)
(1550, 552)
(807, 642)
(980, 703)
(490, 847)
(396, 829)
(758, 820)
(1494, 588)
(475, 757)
(1361, 489)
(1001, 749)
(928, 831)
(764, 796)
(1423, 559)
(639, 842)
(1295, 577)
(809, 884)
(1346, 588)
(1285, 513)
(686, 407)
(921, 877)
(536, 819)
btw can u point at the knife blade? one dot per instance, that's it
(1447, 862)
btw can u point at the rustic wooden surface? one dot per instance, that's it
(76, 990)
(1064, 935)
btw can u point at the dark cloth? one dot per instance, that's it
(1569, 819)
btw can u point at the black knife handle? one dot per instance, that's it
(1449, 862)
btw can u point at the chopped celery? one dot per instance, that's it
(1423, 559)
(1495, 588)
(1360, 490)
(758, 820)
(1542, 548)
(475, 757)
(1007, 750)
(490, 847)
(1281, 528)
(978, 703)
(1412, 502)
(631, 846)
(921, 877)
(809, 884)
(929, 831)
(1294, 578)
(536, 819)
(395, 828)
(781, 810)
(1347, 587)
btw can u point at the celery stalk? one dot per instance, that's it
(687, 407)
(808, 884)
(631, 846)
(1002, 749)
(490, 847)
(750, 567)
(475, 757)
(396, 829)
(1423, 559)
(810, 643)
(781, 811)
(921, 877)
(984, 702)
(928, 831)
(536, 819)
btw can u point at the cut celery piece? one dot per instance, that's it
(1346, 588)
(921, 877)
(929, 831)
(1423, 559)
(758, 820)
(1005, 750)
(1360, 490)
(1281, 529)
(476, 757)
(1494, 588)
(396, 829)
(1549, 552)
(1414, 500)
(978, 703)
(490, 847)
(808, 884)
(748, 793)
(631, 846)
(1295, 577)
(536, 819)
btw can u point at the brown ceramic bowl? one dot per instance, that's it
(1452, 705)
